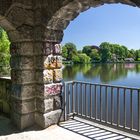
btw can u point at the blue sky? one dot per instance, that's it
(115, 23)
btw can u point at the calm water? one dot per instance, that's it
(116, 74)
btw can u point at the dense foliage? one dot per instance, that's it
(106, 52)
(4, 51)
(70, 52)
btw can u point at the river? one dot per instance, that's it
(126, 74)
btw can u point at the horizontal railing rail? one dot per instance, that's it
(116, 106)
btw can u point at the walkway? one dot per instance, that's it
(70, 130)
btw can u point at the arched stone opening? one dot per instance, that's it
(53, 34)
(17, 20)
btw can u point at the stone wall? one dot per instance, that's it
(5, 93)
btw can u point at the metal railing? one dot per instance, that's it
(115, 106)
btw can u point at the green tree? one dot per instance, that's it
(84, 58)
(4, 48)
(87, 50)
(69, 50)
(105, 52)
(94, 55)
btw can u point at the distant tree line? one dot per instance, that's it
(106, 52)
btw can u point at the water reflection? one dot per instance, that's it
(105, 72)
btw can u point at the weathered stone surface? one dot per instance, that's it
(22, 62)
(57, 102)
(45, 105)
(48, 76)
(57, 75)
(19, 77)
(48, 90)
(52, 89)
(47, 119)
(57, 49)
(24, 48)
(23, 107)
(23, 121)
(23, 91)
(50, 62)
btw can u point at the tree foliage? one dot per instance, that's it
(107, 52)
(4, 49)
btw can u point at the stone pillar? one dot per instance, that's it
(23, 83)
(49, 86)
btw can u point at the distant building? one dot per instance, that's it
(129, 59)
(95, 47)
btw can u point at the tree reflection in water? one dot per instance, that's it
(106, 72)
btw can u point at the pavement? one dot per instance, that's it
(55, 132)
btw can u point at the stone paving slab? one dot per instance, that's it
(9, 132)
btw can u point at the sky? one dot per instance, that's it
(114, 23)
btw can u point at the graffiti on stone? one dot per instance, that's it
(52, 89)
(50, 62)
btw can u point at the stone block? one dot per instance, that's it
(39, 62)
(20, 62)
(48, 76)
(52, 89)
(47, 48)
(22, 76)
(23, 91)
(23, 48)
(57, 75)
(47, 119)
(39, 76)
(57, 102)
(50, 62)
(59, 62)
(23, 107)
(57, 49)
(44, 105)
(23, 121)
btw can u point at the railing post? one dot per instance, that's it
(139, 110)
(124, 105)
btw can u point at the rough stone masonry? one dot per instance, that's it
(35, 29)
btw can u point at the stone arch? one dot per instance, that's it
(16, 18)
(61, 19)
(51, 31)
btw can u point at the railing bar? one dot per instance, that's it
(95, 102)
(100, 103)
(115, 86)
(90, 101)
(85, 101)
(68, 98)
(76, 99)
(106, 102)
(131, 109)
(73, 104)
(118, 107)
(111, 105)
(124, 105)
(81, 99)
(64, 102)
